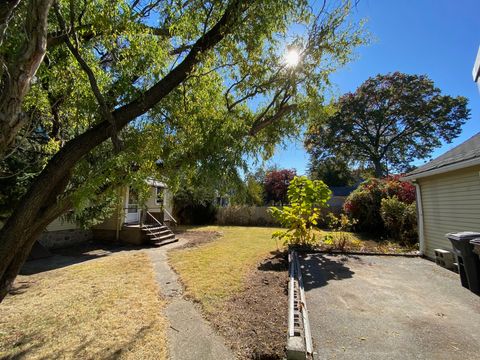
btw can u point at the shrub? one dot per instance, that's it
(364, 204)
(306, 198)
(341, 240)
(399, 219)
(339, 223)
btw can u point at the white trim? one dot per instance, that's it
(131, 217)
(156, 183)
(421, 234)
(444, 169)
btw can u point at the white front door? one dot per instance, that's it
(132, 212)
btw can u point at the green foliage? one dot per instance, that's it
(386, 123)
(306, 198)
(340, 223)
(340, 237)
(250, 192)
(333, 172)
(399, 219)
(202, 130)
(385, 207)
(341, 241)
(194, 206)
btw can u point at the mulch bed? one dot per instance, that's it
(254, 322)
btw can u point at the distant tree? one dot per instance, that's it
(332, 172)
(276, 184)
(387, 122)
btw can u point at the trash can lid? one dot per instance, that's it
(463, 235)
(475, 241)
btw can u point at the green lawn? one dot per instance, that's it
(214, 271)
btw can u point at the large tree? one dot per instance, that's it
(386, 123)
(333, 172)
(169, 80)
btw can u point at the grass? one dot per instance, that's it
(215, 271)
(103, 308)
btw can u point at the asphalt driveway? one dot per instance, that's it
(379, 307)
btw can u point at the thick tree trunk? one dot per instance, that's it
(378, 168)
(39, 206)
(17, 76)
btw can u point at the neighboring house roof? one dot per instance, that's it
(342, 190)
(464, 155)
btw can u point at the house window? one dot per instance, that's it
(159, 195)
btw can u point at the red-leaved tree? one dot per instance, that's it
(276, 185)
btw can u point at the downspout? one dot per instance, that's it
(421, 234)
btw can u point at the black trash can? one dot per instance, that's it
(468, 261)
(476, 246)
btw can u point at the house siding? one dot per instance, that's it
(451, 203)
(60, 224)
(63, 233)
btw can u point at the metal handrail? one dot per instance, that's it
(170, 216)
(154, 218)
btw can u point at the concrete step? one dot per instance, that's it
(163, 237)
(159, 233)
(151, 228)
(165, 242)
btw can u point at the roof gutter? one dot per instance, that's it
(443, 169)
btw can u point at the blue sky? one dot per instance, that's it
(439, 38)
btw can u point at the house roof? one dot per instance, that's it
(342, 190)
(464, 155)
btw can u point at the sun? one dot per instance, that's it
(292, 57)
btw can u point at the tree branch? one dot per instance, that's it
(104, 108)
(17, 77)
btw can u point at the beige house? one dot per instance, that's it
(448, 195)
(130, 222)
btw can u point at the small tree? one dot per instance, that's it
(306, 198)
(276, 185)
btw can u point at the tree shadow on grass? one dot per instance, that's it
(277, 261)
(79, 352)
(19, 287)
(73, 255)
(318, 270)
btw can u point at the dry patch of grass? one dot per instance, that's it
(215, 271)
(103, 308)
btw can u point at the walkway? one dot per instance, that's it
(190, 336)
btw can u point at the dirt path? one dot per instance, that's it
(189, 335)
